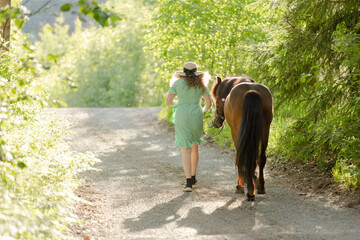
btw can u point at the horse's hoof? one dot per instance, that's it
(260, 191)
(239, 190)
(260, 188)
(250, 198)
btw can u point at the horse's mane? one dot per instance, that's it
(227, 84)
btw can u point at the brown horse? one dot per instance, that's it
(248, 108)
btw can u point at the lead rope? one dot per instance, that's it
(220, 130)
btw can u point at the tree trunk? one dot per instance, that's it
(5, 32)
(5, 27)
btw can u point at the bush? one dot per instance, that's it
(38, 170)
(99, 67)
(39, 177)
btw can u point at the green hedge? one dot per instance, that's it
(38, 171)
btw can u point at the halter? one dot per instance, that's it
(219, 116)
(222, 118)
(220, 130)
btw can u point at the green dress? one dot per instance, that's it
(188, 115)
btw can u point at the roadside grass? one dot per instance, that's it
(39, 177)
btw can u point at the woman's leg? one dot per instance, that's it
(194, 159)
(186, 160)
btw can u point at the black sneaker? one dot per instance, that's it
(188, 187)
(194, 181)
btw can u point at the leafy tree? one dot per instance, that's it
(34, 157)
(305, 51)
(99, 67)
(215, 34)
(5, 25)
(315, 70)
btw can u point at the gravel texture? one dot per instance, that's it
(138, 192)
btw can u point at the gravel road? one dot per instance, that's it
(138, 192)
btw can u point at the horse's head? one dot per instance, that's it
(219, 99)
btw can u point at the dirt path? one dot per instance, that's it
(138, 194)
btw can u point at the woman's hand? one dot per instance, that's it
(207, 103)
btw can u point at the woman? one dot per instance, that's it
(189, 86)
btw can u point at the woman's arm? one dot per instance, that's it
(207, 103)
(169, 99)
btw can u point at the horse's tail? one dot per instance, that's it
(247, 149)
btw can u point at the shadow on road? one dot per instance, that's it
(157, 216)
(223, 220)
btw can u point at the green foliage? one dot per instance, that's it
(306, 52)
(166, 114)
(221, 137)
(39, 176)
(316, 66)
(37, 169)
(66, 7)
(104, 17)
(17, 69)
(99, 67)
(346, 173)
(215, 34)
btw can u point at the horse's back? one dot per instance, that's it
(243, 87)
(237, 94)
(237, 80)
(228, 84)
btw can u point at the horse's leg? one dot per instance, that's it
(250, 196)
(240, 185)
(260, 183)
(240, 180)
(234, 129)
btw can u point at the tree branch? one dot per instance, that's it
(41, 8)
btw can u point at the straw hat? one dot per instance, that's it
(190, 70)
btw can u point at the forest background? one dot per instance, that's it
(122, 53)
